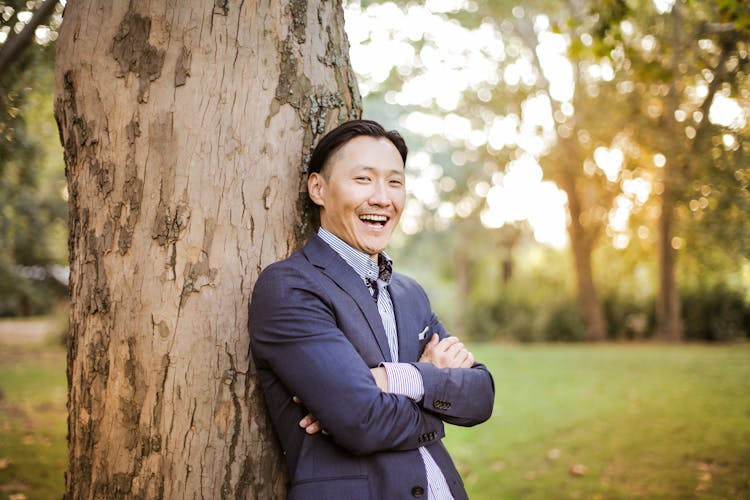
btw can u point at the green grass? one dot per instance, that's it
(647, 421)
(32, 421)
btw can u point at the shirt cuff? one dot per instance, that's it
(404, 379)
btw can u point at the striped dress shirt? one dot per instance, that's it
(403, 378)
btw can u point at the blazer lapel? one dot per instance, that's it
(322, 256)
(408, 343)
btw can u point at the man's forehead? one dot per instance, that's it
(359, 145)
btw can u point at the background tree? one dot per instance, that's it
(32, 208)
(686, 65)
(494, 91)
(186, 130)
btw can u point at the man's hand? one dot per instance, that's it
(312, 424)
(309, 422)
(446, 353)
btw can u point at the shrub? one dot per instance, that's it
(715, 314)
(561, 322)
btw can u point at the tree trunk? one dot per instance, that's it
(463, 285)
(186, 128)
(668, 309)
(581, 243)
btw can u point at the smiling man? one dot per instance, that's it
(358, 374)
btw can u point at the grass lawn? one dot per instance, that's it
(611, 421)
(33, 425)
(606, 421)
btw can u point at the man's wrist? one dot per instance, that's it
(381, 378)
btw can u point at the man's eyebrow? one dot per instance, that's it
(372, 169)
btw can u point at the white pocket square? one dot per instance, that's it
(423, 333)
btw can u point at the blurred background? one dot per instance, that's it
(578, 173)
(575, 165)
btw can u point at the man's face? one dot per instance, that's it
(361, 193)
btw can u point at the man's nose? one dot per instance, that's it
(379, 195)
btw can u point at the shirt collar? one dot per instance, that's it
(364, 266)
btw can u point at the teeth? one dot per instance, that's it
(374, 218)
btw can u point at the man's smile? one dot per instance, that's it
(374, 221)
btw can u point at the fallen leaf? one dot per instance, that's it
(554, 453)
(17, 496)
(578, 469)
(5, 462)
(499, 465)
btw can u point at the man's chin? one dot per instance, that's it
(374, 249)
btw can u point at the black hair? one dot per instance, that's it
(347, 131)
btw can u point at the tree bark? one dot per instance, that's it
(186, 127)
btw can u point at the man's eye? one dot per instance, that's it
(363, 178)
(397, 183)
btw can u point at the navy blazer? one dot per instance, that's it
(315, 333)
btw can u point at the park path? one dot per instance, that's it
(28, 330)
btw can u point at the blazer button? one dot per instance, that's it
(417, 491)
(436, 404)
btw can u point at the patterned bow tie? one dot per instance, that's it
(385, 269)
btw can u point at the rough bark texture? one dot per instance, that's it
(186, 128)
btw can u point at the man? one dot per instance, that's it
(357, 372)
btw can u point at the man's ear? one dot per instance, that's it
(316, 187)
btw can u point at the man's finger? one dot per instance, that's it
(454, 350)
(463, 357)
(446, 343)
(307, 420)
(429, 346)
(469, 360)
(313, 428)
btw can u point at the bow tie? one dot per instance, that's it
(385, 270)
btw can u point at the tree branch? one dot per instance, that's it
(13, 48)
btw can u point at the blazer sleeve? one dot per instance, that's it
(294, 332)
(459, 396)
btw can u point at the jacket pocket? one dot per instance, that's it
(334, 488)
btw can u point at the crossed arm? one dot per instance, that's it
(295, 337)
(446, 353)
